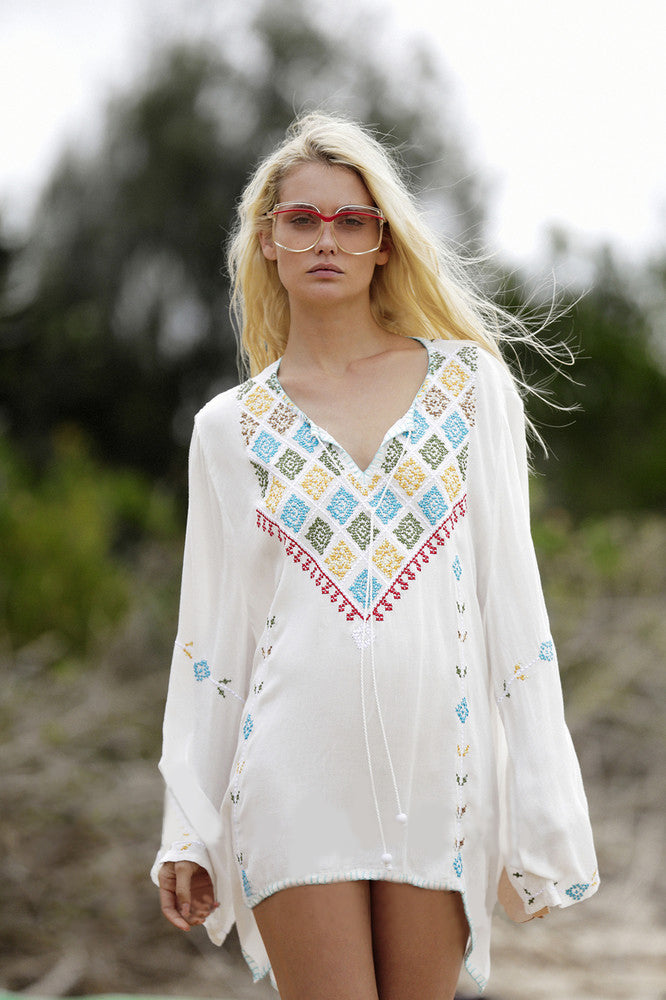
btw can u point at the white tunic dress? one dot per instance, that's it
(364, 684)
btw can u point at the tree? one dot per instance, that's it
(124, 330)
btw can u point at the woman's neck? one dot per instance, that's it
(330, 342)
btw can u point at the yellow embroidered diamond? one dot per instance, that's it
(341, 560)
(315, 481)
(274, 495)
(387, 558)
(259, 401)
(410, 476)
(454, 377)
(451, 481)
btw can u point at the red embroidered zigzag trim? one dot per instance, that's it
(401, 583)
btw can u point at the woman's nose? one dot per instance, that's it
(327, 240)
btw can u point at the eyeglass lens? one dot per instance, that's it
(300, 229)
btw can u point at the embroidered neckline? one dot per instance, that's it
(402, 426)
(322, 512)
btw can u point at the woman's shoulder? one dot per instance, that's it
(489, 370)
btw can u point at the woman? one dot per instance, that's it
(364, 732)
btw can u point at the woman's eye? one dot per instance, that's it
(352, 221)
(302, 221)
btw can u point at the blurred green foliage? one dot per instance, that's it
(68, 537)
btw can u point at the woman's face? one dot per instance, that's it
(325, 274)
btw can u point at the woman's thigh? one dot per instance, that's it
(419, 938)
(319, 941)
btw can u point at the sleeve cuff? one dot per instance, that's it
(180, 850)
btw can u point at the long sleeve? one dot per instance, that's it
(546, 836)
(209, 677)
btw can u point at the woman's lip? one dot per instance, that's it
(325, 267)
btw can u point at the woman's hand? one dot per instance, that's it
(186, 893)
(513, 904)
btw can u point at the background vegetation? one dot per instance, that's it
(113, 331)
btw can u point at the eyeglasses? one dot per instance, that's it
(297, 226)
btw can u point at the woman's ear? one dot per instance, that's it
(384, 251)
(268, 248)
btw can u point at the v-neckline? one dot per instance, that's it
(403, 425)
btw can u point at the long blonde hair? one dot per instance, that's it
(424, 290)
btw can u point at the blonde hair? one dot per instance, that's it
(424, 289)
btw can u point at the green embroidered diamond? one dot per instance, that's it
(359, 529)
(462, 461)
(330, 460)
(469, 356)
(408, 531)
(262, 475)
(290, 463)
(273, 383)
(393, 454)
(434, 451)
(319, 535)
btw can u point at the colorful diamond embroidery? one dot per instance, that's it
(452, 483)
(359, 529)
(265, 446)
(248, 726)
(331, 460)
(387, 558)
(462, 461)
(410, 476)
(457, 568)
(259, 401)
(248, 427)
(247, 889)
(315, 481)
(453, 378)
(294, 513)
(420, 427)
(433, 505)
(455, 429)
(468, 405)
(388, 506)
(262, 475)
(458, 865)
(340, 560)
(408, 531)
(290, 463)
(360, 585)
(342, 505)
(305, 437)
(434, 451)
(435, 401)
(274, 495)
(469, 356)
(319, 535)
(393, 454)
(282, 418)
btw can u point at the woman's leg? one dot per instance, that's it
(319, 941)
(419, 938)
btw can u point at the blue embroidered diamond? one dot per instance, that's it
(294, 513)
(201, 670)
(360, 586)
(433, 505)
(462, 711)
(458, 865)
(248, 726)
(305, 437)
(342, 505)
(455, 429)
(265, 446)
(546, 651)
(457, 568)
(420, 426)
(388, 506)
